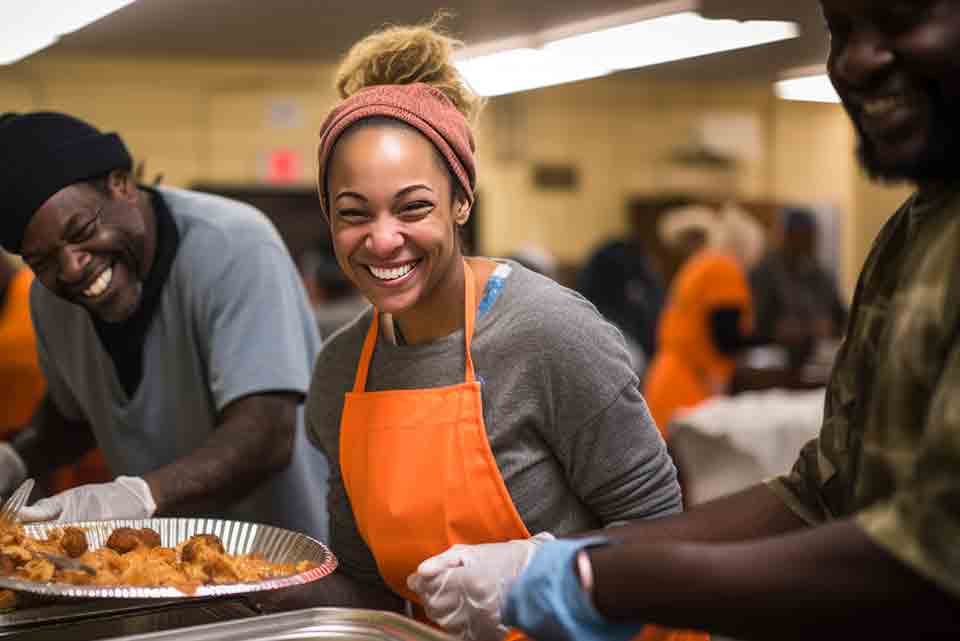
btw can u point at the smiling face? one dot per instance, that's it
(89, 248)
(894, 64)
(393, 221)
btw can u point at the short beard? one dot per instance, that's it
(935, 163)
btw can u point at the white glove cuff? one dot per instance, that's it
(138, 487)
(12, 458)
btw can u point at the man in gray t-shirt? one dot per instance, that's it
(171, 325)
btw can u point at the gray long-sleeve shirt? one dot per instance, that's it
(569, 430)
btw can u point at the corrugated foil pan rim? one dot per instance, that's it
(276, 545)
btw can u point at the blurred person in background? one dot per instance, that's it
(21, 381)
(859, 540)
(707, 318)
(795, 299)
(476, 400)
(171, 325)
(622, 279)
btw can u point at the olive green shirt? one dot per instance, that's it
(888, 452)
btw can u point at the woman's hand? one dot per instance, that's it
(464, 588)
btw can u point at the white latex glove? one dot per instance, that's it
(126, 497)
(12, 469)
(463, 589)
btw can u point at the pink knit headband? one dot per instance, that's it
(421, 106)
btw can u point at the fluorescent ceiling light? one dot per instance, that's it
(669, 38)
(566, 55)
(809, 88)
(36, 24)
(521, 69)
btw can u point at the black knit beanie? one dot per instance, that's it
(40, 154)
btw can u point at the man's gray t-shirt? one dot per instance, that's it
(233, 320)
(569, 429)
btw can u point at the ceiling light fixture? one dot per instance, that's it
(647, 36)
(809, 88)
(35, 25)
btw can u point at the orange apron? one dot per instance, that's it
(419, 470)
(688, 368)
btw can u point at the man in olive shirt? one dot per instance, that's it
(862, 539)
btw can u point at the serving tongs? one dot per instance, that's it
(8, 518)
(11, 507)
(66, 563)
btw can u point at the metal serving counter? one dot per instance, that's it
(315, 624)
(107, 619)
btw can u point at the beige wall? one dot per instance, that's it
(215, 121)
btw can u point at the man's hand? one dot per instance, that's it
(463, 589)
(548, 602)
(12, 469)
(127, 497)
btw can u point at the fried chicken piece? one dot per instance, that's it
(8, 599)
(108, 564)
(157, 568)
(39, 570)
(16, 553)
(125, 539)
(252, 567)
(221, 570)
(50, 545)
(200, 547)
(74, 542)
(11, 535)
(195, 572)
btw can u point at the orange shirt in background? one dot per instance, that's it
(688, 368)
(21, 382)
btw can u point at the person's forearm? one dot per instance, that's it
(753, 513)
(820, 582)
(336, 590)
(253, 440)
(50, 440)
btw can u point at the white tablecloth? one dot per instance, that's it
(729, 443)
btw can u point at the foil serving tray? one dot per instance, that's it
(276, 545)
(314, 624)
(111, 621)
(70, 609)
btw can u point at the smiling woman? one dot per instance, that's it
(509, 392)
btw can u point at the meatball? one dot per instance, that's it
(125, 539)
(200, 546)
(74, 541)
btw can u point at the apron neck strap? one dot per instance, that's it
(469, 315)
(469, 318)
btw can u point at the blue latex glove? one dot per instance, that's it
(548, 603)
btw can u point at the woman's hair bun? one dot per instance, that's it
(407, 54)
